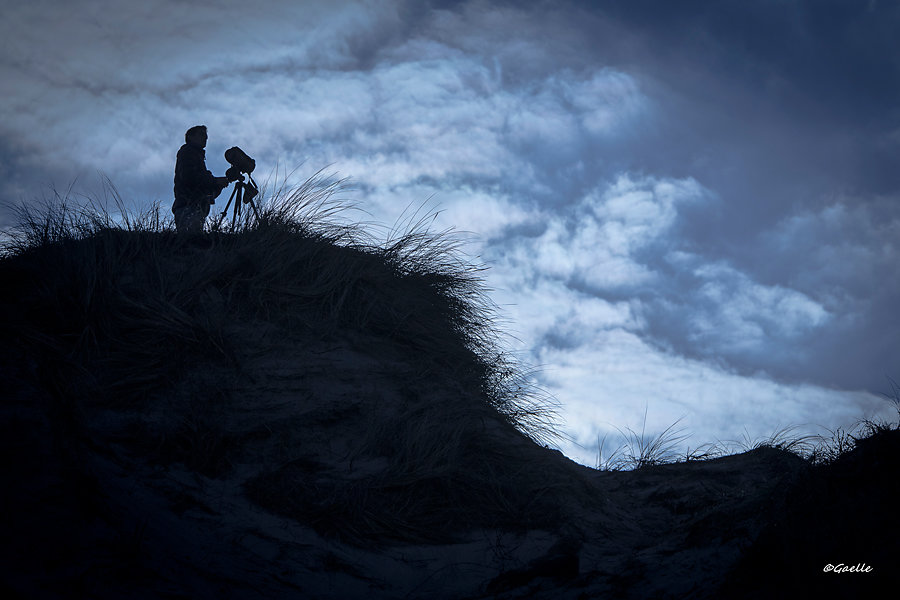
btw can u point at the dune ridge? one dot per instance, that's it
(291, 409)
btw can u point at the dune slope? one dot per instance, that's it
(287, 412)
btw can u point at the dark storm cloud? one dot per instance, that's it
(834, 58)
(788, 113)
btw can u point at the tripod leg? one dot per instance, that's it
(239, 191)
(224, 214)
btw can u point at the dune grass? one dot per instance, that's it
(300, 258)
(121, 313)
(637, 450)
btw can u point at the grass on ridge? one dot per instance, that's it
(120, 312)
(639, 450)
(415, 287)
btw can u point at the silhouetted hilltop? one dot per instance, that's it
(292, 410)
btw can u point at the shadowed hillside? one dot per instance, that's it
(292, 410)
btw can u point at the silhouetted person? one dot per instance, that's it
(195, 187)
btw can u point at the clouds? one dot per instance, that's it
(740, 316)
(336, 79)
(107, 85)
(623, 240)
(692, 197)
(598, 244)
(621, 317)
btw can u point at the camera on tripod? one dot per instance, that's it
(239, 160)
(244, 192)
(241, 163)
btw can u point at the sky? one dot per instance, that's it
(689, 210)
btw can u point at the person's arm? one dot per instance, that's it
(210, 185)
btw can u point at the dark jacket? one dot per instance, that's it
(194, 184)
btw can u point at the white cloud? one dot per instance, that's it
(606, 387)
(595, 353)
(737, 314)
(596, 242)
(594, 357)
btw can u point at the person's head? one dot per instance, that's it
(196, 136)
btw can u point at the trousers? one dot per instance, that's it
(191, 217)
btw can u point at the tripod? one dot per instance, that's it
(243, 193)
